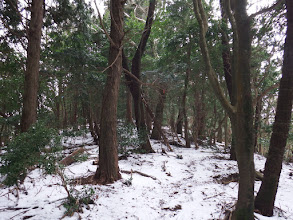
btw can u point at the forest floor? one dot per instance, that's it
(185, 184)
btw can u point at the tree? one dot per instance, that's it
(241, 114)
(156, 132)
(108, 170)
(31, 83)
(265, 199)
(134, 85)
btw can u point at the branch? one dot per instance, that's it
(264, 10)
(264, 93)
(206, 57)
(102, 24)
(138, 80)
(119, 53)
(140, 173)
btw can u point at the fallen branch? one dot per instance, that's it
(214, 196)
(70, 159)
(140, 173)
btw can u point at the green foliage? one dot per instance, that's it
(77, 199)
(74, 132)
(27, 150)
(127, 137)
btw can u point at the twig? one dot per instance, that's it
(214, 196)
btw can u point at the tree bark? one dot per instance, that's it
(257, 119)
(241, 114)
(244, 116)
(265, 198)
(31, 81)
(129, 119)
(108, 170)
(227, 67)
(188, 72)
(159, 114)
(179, 122)
(134, 86)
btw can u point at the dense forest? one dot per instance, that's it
(185, 73)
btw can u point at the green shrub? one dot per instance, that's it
(77, 199)
(27, 150)
(128, 139)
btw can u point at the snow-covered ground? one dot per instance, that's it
(184, 184)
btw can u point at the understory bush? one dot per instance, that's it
(127, 138)
(77, 199)
(36, 147)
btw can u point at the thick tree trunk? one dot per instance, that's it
(108, 170)
(265, 198)
(159, 114)
(31, 81)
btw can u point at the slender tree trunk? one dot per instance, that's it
(31, 81)
(188, 72)
(257, 118)
(129, 119)
(179, 122)
(241, 115)
(159, 114)
(65, 122)
(265, 198)
(227, 66)
(244, 116)
(172, 118)
(226, 131)
(134, 86)
(108, 170)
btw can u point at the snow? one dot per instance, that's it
(184, 188)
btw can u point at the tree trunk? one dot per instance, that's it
(227, 66)
(108, 170)
(172, 118)
(188, 72)
(31, 81)
(134, 86)
(265, 198)
(159, 114)
(257, 118)
(244, 116)
(241, 115)
(179, 122)
(129, 107)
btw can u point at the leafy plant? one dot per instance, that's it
(127, 138)
(77, 199)
(35, 147)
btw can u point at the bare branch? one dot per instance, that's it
(264, 93)
(119, 54)
(102, 24)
